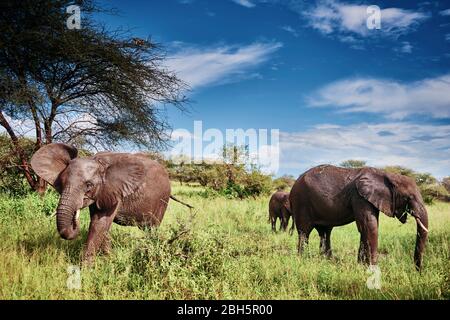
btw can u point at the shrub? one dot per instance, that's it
(283, 183)
(446, 183)
(186, 261)
(353, 164)
(433, 192)
(428, 185)
(233, 176)
(12, 181)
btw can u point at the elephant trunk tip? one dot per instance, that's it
(70, 231)
(68, 234)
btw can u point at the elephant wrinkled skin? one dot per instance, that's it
(327, 196)
(129, 189)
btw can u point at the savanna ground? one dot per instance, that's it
(223, 250)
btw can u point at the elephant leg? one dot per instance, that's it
(291, 231)
(281, 223)
(105, 247)
(367, 223)
(304, 227)
(303, 237)
(273, 220)
(98, 237)
(325, 240)
(362, 251)
(373, 239)
(274, 223)
(284, 219)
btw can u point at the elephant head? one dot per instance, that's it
(396, 195)
(102, 180)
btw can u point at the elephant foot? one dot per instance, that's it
(87, 261)
(106, 247)
(88, 258)
(363, 260)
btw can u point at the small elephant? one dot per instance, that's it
(129, 189)
(327, 196)
(279, 208)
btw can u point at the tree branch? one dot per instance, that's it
(18, 151)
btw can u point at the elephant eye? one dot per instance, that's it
(89, 185)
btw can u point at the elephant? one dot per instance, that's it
(279, 208)
(128, 189)
(327, 196)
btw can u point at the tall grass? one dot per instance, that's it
(224, 249)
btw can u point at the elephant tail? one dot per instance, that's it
(183, 203)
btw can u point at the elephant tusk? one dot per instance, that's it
(77, 215)
(421, 225)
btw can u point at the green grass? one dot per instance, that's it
(226, 250)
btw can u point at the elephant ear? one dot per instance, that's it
(376, 188)
(124, 174)
(50, 160)
(286, 203)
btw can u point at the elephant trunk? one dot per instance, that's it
(421, 217)
(67, 217)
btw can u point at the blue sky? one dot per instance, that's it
(312, 69)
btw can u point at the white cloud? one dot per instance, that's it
(334, 17)
(245, 3)
(406, 47)
(206, 66)
(425, 148)
(290, 30)
(445, 12)
(396, 100)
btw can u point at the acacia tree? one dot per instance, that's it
(89, 86)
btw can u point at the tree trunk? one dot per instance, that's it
(24, 165)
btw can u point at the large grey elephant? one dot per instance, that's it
(327, 196)
(129, 189)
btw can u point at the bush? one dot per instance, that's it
(283, 183)
(434, 192)
(186, 260)
(428, 185)
(234, 176)
(446, 183)
(12, 181)
(353, 164)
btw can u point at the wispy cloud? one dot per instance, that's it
(200, 67)
(405, 47)
(425, 148)
(445, 12)
(245, 3)
(290, 30)
(331, 17)
(396, 100)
